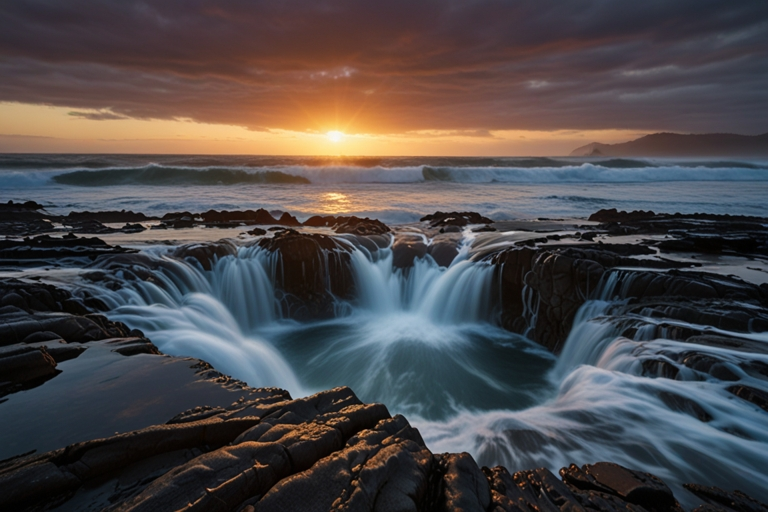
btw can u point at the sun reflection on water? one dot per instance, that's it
(335, 202)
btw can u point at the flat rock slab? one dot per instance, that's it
(102, 392)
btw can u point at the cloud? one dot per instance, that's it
(98, 116)
(395, 65)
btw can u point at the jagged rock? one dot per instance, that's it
(260, 216)
(636, 487)
(463, 484)
(562, 284)
(385, 467)
(111, 216)
(460, 219)
(88, 226)
(46, 246)
(349, 225)
(364, 227)
(23, 219)
(719, 499)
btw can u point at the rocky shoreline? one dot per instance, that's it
(239, 448)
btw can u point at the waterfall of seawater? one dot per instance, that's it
(422, 341)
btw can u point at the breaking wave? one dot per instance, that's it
(24, 171)
(161, 175)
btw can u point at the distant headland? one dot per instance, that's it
(681, 145)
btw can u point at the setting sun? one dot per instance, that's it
(335, 136)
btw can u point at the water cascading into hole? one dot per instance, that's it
(421, 342)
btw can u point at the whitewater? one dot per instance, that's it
(393, 190)
(425, 342)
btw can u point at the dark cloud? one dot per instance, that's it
(387, 66)
(98, 116)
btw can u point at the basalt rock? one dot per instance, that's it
(443, 251)
(325, 452)
(311, 272)
(206, 253)
(364, 227)
(111, 216)
(406, 249)
(562, 284)
(47, 247)
(250, 217)
(349, 225)
(23, 219)
(460, 219)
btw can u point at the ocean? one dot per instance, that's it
(393, 190)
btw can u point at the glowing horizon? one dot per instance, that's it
(46, 129)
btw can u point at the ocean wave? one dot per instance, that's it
(608, 171)
(593, 173)
(161, 175)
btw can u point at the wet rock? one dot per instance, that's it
(510, 268)
(382, 468)
(133, 346)
(563, 284)
(406, 250)
(257, 232)
(133, 228)
(612, 215)
(206, 253)
(88, 227)
(23, 219)
(443, 251)
(635, 487)
(311, 271)
(357, 226)
(463, 485)
(660, 368)
(250, 217)
(24, 365)
(319, 221)
(110, 217)
(719, 499)
(685, 405)
(47, 247)
(460, 219)
(750, 394)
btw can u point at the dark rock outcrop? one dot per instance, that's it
(43, 247)
(311, 271)
(406, 249)
(41, 326)
(328, 451)
(349, 225)
(460, 219)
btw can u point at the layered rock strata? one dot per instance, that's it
(328, 451)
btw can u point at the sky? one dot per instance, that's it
(462, 77)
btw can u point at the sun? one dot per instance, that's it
(335, 136)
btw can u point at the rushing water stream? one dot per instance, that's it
(424, 342)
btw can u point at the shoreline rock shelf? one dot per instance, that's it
(328, 451)
(244, 449)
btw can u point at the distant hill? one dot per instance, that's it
(679, 145)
